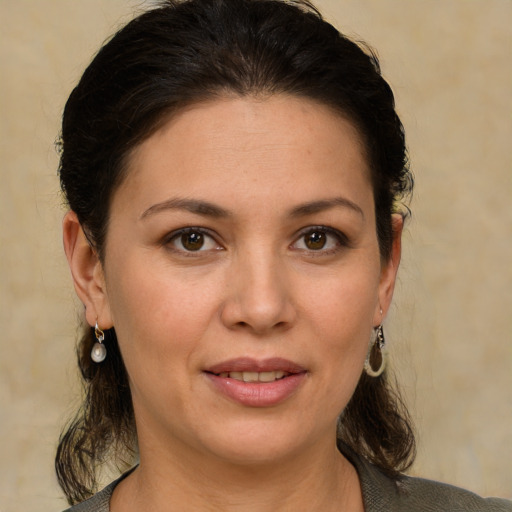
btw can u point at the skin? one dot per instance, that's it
(257, 288)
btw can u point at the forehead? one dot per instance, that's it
(247, 145)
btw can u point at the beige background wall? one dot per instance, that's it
(450, 64)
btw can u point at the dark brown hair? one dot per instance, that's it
(183, 52)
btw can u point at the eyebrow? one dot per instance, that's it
(208, 209)
(325, 204)
(192, 205)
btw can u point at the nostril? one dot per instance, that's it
(246, 325)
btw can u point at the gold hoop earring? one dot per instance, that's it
(99, 351)
(376, 354)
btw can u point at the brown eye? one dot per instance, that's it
(315, 240)
(320, 240)
(192, 241)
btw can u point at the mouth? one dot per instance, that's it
(256, 383)
(246, 369)
(254, 376)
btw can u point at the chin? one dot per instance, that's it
(256, 443)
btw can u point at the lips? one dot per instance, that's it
(255, 376)
(256, 383)
(246, 364)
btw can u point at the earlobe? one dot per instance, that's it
(389, 270)
(87, 272)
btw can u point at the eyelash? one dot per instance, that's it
(175, 235)
(341, 240)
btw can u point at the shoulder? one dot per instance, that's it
(383, 494)
(429, 496)
(100, 502)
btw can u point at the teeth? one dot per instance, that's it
(250, 376)
(254, 376)
(267, 376)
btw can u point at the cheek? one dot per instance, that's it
(157, 314)
(344, 304)
(343, 320)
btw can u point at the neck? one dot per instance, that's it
(319, 478)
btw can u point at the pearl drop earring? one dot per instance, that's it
(99, 351)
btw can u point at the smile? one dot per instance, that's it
(272, 368)
(255, 376)
(256, 383)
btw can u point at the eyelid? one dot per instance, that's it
(342, 239)
(168, 239)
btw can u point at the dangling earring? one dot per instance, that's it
(99, 351)
(376, 353)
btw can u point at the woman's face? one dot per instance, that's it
(243, 277)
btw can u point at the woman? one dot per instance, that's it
(234, 171)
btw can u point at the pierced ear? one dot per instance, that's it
(389, 270)
(87, 272)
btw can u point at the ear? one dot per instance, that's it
(389, 271)
(87, 272)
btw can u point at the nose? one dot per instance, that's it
(259, 297)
